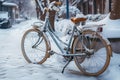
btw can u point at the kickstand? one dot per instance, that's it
(67, 64)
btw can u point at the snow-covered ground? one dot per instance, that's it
(14, 67)
(111, 28)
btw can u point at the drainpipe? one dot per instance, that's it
(67, 9)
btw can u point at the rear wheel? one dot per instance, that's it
(97, 52)
(34, 46)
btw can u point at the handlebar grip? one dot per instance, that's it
(46, 9)
(58, 3)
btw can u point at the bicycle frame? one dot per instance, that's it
(55, 38)
(48, 28)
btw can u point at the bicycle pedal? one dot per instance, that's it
(67, 49)
(35, 27)
(51, 52)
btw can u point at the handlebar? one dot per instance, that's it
(53, 6)
(58, 3)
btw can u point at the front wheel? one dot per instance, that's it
(97, 53)
(34, 46)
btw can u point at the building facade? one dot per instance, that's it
(11, 8)
(94, 6)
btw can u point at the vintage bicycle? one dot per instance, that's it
(90, 51)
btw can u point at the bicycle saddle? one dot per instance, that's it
(77, 20)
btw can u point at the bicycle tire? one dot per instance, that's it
(34, 43)
(97, 63)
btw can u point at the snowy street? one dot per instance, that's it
(14, 67)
